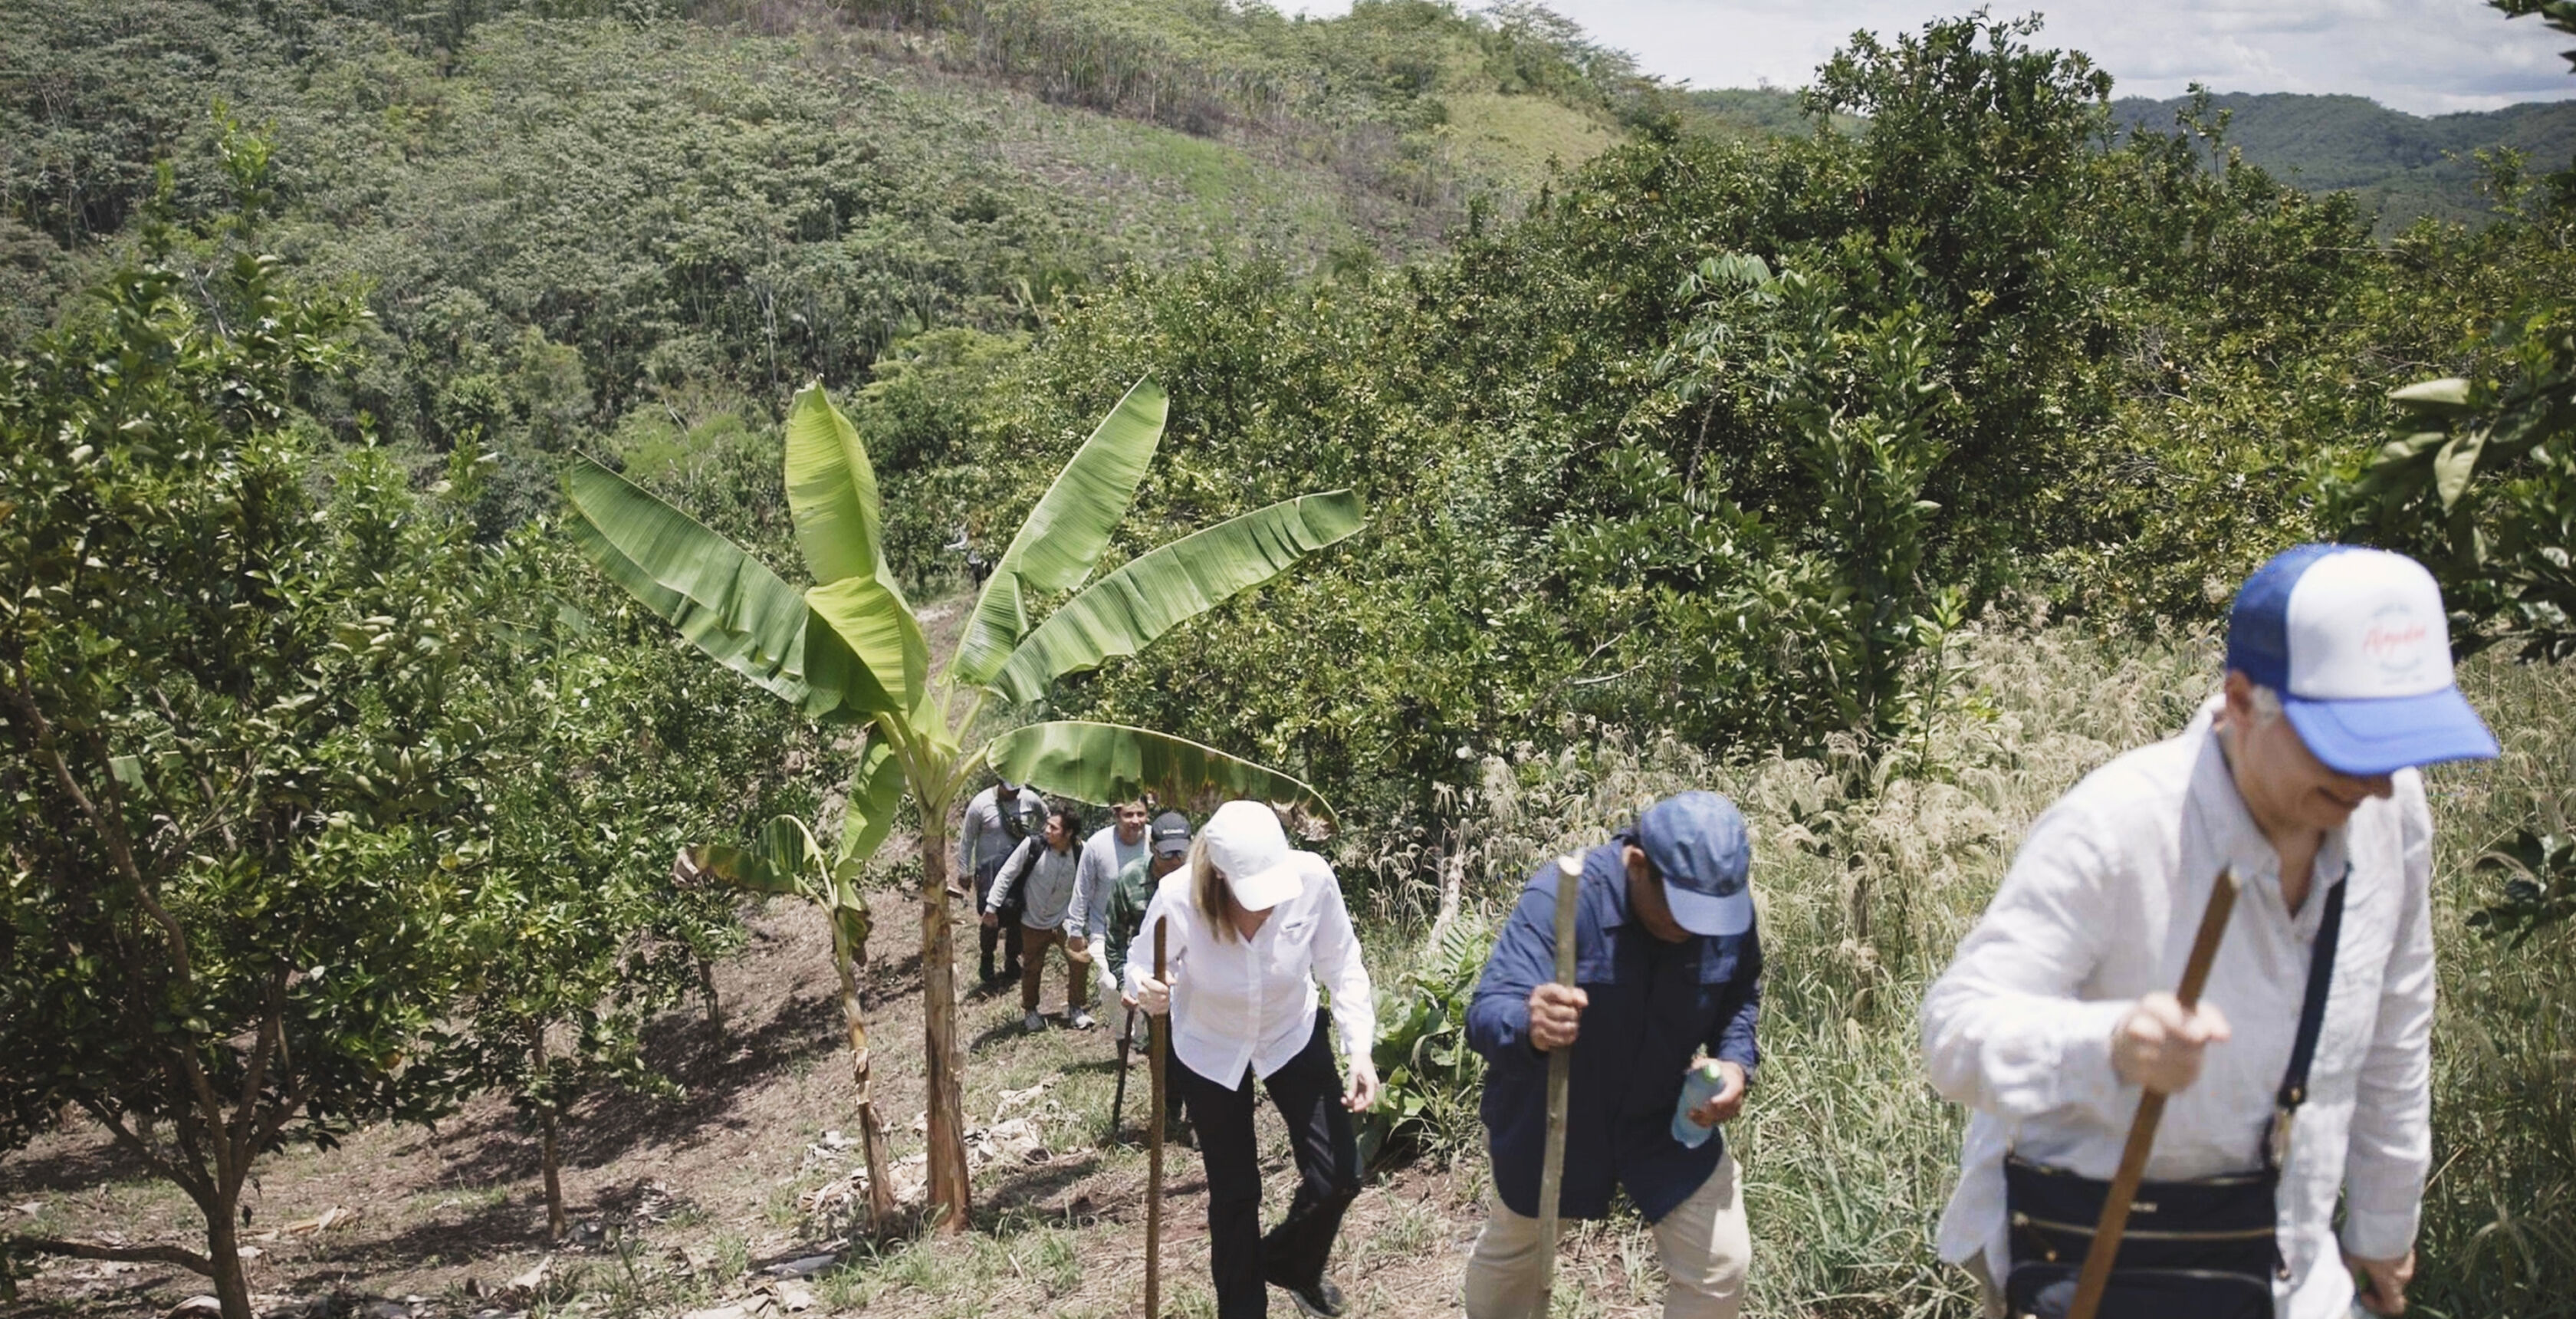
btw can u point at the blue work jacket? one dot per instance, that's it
(1653, 1005)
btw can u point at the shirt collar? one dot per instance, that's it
(2233, 832)
(1611, 908)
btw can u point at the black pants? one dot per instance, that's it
(988, 936)
(1308, 1093)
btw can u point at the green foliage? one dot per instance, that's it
(1430, 1077)
(2539, 888)
(1695, 442)
(2487, 494)
(2482, 484)
(857, 651)
(236, 739)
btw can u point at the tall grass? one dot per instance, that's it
(1867, 883)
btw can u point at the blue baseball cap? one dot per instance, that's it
(1698, 844)
(2356, 643)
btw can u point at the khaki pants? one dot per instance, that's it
(1077, 969)
(1990, 1297)
(1703, 1243)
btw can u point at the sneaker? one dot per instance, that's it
(1032, 1023)
(1080, 1020)
(1318, 1300)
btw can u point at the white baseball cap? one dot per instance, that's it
(2356, 643)
(1246, 845)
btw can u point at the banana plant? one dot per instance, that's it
(849, 650)
(785, 859)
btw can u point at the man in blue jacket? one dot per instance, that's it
(1668, 967)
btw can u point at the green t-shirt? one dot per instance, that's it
(1127, 903)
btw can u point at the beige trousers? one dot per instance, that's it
(1990, 1297)
(1703, 1243)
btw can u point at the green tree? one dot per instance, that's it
(850, 650)
(2482, 483)
(230, 737)
(579, 933)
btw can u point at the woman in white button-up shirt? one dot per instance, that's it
(1250, 926)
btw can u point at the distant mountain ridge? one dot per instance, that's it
(2399, 166)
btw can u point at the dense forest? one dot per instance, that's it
(1778, 440)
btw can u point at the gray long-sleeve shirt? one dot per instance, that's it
(1045, 876)
(983, 842)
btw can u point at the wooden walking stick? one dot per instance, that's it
(1560, 1070)
(1118, 1101)
(1158, 1042)
(2096, 1277)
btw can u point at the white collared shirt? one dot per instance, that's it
(1103, 856)
(1251, 1002)
(2099, 909)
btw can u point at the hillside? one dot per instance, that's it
(711, 200)
(2399, 166)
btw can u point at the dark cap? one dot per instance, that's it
(1698, 844)
(1170, 834)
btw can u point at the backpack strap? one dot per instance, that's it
(2312, 1020)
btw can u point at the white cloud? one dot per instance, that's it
(2422, 56)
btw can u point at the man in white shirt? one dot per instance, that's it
(2057, 1012)
(996, 821)
(1109, 851)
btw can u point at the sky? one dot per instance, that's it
(2421, 56)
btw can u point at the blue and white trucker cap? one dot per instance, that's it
(2357, 645)
(1698, 844)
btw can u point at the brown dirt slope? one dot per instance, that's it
(679, 1202)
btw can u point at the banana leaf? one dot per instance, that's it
(1065, 534)
(832, 490)
(1157, 591)
(1097, 762)
(724, 601)
(876, 791)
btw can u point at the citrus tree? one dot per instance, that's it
(850, 650)
(232, 753)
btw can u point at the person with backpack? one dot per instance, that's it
(1040, 874)
(997, 821)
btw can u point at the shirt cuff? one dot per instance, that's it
(2378, 1234)
(2085, 1074)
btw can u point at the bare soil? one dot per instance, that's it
(679, 1201)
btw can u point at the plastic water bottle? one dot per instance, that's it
(1699, 1086)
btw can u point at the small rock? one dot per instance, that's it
(386, 1310)
(793, 1297)
(534, 1278)
(196, 1305)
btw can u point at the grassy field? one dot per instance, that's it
(1865, 886)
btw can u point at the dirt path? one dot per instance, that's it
(680, 1201)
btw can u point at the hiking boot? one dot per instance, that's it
(1317, 1300)
(1032, 1023)
(1079, 1020)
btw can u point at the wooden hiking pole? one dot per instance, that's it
(2096, 1277)
(1158, 1042)
(1560, 1070)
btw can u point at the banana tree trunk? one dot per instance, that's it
(871, 1130)
(948, 1190)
